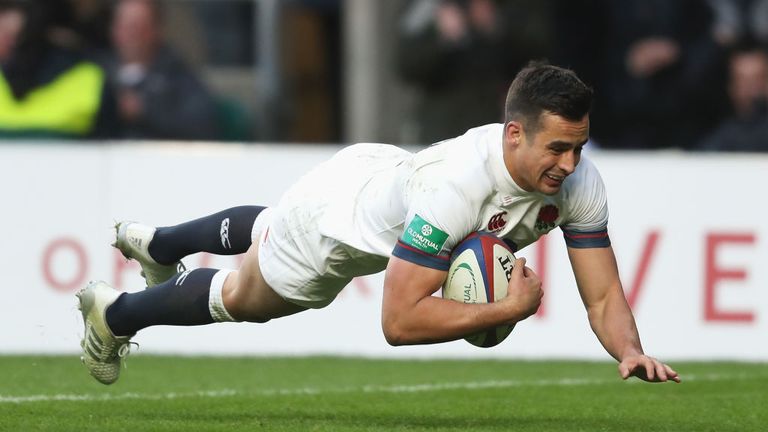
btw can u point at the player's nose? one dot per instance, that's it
(567, 163)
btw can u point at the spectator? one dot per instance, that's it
(45, 89)
(737, 20)
(88, 20)
(158, 95)
(747, 128)
(662, 75)
(461, 56)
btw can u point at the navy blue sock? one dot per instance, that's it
(181, 300)
(227, 232)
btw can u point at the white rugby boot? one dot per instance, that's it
(132, 240)
(102, 350)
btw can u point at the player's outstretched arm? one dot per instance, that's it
(611, 318)
(411, 315)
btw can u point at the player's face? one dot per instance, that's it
(540, 160)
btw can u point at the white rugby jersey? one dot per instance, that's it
(419, 206)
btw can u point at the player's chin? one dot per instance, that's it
(548, 186)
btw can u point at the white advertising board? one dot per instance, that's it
(689, 232)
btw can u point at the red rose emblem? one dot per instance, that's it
(549, 214)
(547, 217)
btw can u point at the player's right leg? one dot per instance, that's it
(159, 250)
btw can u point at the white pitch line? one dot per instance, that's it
(405, 388)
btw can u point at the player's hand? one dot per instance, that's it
(647, 369)
(524, 291)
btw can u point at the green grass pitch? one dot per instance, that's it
(187, 394)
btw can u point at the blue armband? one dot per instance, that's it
(586, 239)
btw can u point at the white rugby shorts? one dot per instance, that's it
(298, 262)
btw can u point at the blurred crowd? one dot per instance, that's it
(688, 74)
(96, 69)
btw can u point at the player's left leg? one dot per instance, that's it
(227, 232)
(160, 250)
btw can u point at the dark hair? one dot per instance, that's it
(541, 87)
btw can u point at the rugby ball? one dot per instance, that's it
(481, 266)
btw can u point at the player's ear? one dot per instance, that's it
(512, 132)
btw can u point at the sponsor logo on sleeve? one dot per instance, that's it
(424, 236)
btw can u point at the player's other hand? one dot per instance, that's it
(647, 369)
(524, 291)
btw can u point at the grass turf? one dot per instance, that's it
(346, 394)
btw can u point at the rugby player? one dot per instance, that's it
(375, 207)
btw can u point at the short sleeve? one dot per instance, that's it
(437, 219)
(587, 222)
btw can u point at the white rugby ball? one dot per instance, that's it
(481, 266)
